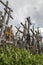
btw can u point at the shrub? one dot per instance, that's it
(15, 56)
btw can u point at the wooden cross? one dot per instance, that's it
(29, 23)
(6, 5)
(17, 30)
(37, 39)
(33, 36)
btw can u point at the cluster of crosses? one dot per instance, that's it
(30, 42)
(5, 30)
(33, 41)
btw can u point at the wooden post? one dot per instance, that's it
(25, 30)
(33, 37)
(28, 34)
(2, 30)
(0, 15)
(8, 18)
(29, 23)
(6, 9)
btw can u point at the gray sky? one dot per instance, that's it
(24, 8)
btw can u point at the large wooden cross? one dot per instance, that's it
(7, 14)
(6, 5)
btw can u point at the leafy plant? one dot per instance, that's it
(15, 56)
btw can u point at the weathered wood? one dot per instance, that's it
(33, 40)
(6, 9)
(18, 29)
(29, 23)
(0, 15)
(23, 25)
(8, 18)
(37, 41)
(8, 13)
(6, 5)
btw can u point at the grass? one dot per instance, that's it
(15, 56)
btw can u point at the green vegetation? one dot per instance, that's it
(15, 56)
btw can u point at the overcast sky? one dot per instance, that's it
(25, 8)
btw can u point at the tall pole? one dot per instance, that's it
(6, 9)
(28, 34)
(33, 36)
(8, 18)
